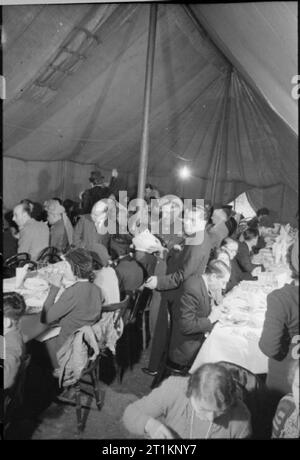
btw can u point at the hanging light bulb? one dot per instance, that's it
(184, 172)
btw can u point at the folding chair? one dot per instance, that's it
(49, 255)
(10, 264)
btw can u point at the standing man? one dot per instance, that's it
(191, 260)
(98, 191)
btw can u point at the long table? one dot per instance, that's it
(30, 323)
(236, 336)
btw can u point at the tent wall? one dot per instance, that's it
(39, 181)
(281, 199)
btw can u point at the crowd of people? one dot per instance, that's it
(188, 271)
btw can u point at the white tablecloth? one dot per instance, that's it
(235, 338)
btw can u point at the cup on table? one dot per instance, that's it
(20, 275)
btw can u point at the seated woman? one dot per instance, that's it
(61, 230)
(286, 423)
(202, 406)
(250, 238)
(13, 309)
(79, 304)
(191, 314)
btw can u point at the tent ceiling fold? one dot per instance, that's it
(75, 82)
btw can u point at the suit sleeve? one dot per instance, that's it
(190, 323)
(189, 266)
(271, 339)
(243, 259)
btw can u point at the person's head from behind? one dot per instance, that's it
(79, 266)
(231, 247)
(13, 308)
(217, 275)
(220, 215)
(212, 391)
(194, 218)
(250, 236)
(22, 213)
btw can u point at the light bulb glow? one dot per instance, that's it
(184, 172)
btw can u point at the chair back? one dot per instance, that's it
(13, 262)
(120, 307)
(141, 299)
(50, 255)
(252, 391)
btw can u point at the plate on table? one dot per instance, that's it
(236, 318)
(36, 284)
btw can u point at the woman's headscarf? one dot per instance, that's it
(54, 207)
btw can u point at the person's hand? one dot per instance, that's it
(157, 430)
(151, 282)
(215, 315)
(256, 271)
(56, 279)
(114, 173)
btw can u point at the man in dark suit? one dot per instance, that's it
(250, 237)
(191, 315)
(98, 190)
(181, 265)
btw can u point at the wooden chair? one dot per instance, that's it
(10, 264)
(92, 372)
(49, 255)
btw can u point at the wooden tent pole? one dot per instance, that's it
(147, 101)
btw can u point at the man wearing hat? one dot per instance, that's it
(98, 190)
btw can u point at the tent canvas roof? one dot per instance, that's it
(221, 88)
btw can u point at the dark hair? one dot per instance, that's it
(214, 383)
(250, 233)
(13, 305)
(81, 263)
(27, 206)
(263, 212)
(227, 209)
(57, 199)
(231, 225)
(149, 186)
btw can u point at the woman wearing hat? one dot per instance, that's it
(79, 304)
(281, 326)
(61, 230)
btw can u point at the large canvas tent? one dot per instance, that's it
(221, 103)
